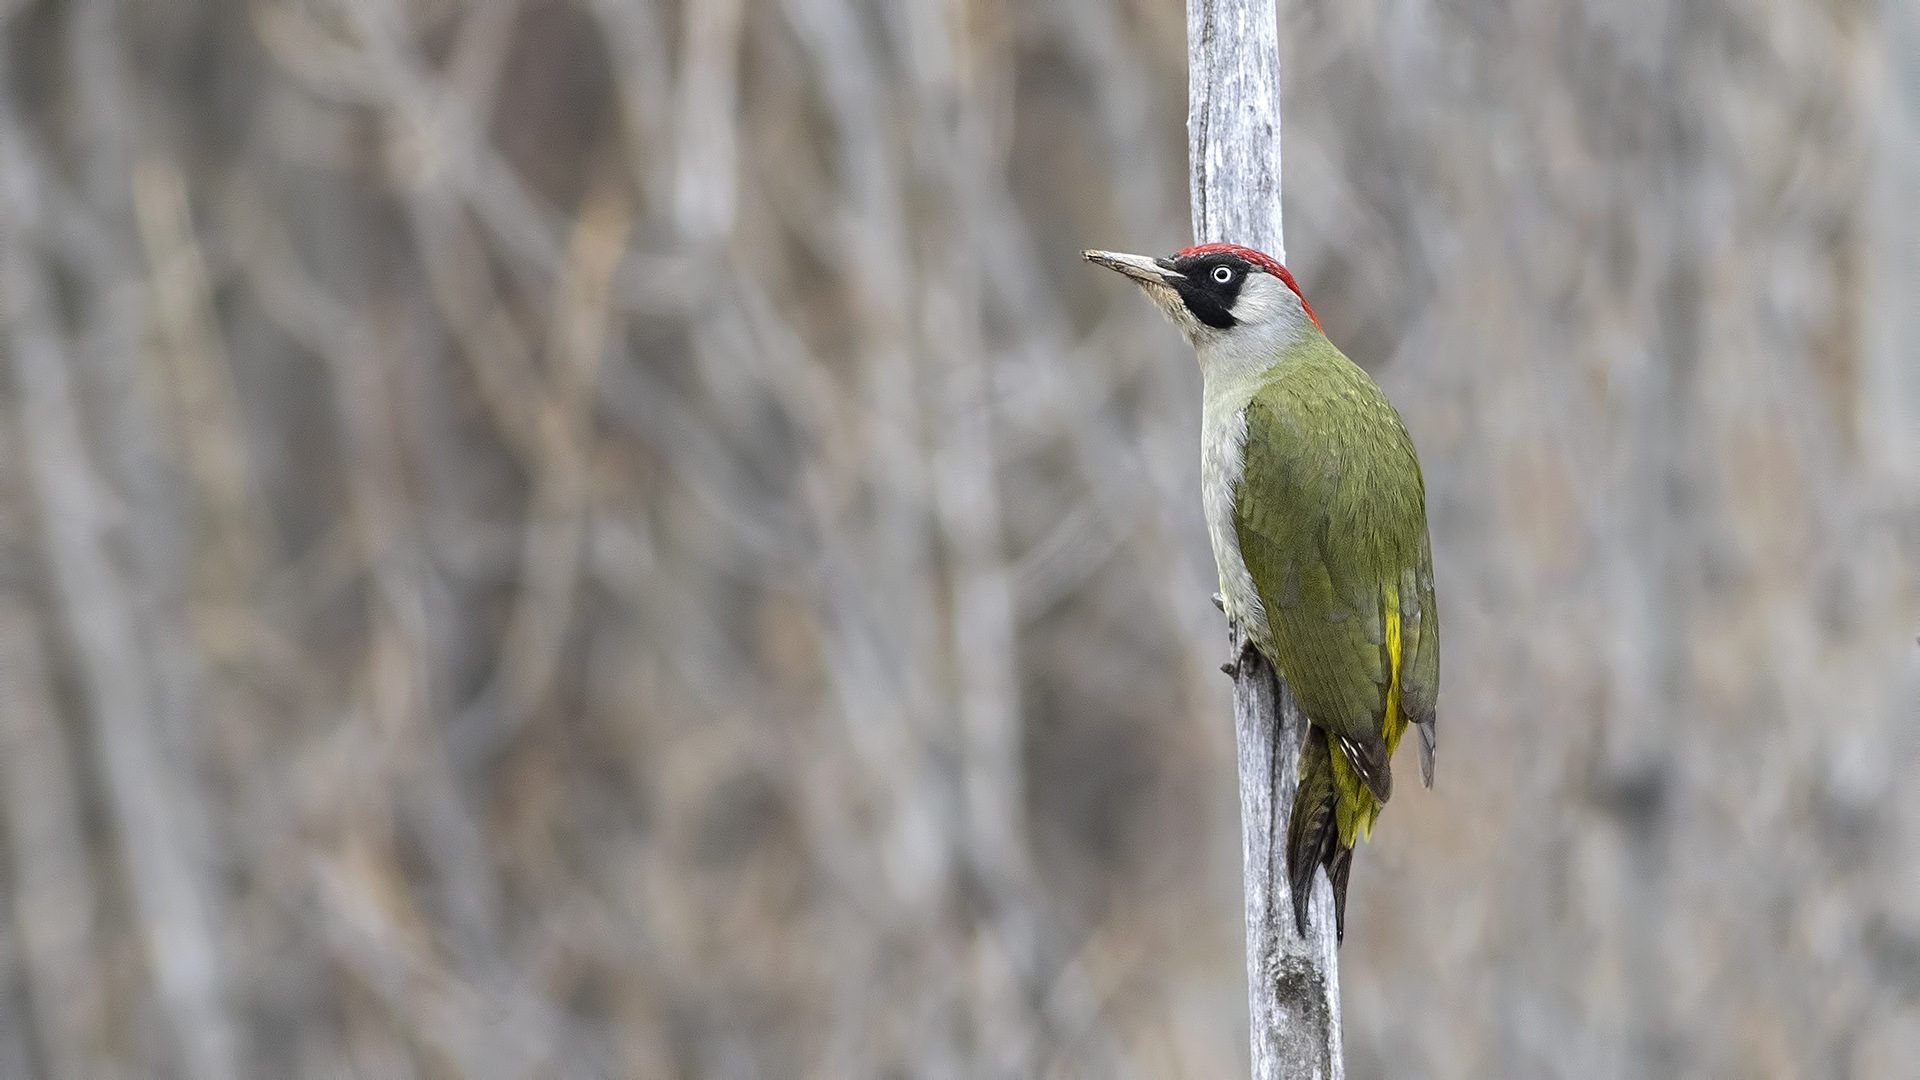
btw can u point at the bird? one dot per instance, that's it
(1316, 509)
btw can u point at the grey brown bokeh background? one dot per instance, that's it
(615, 538)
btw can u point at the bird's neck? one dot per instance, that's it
(1233, 365)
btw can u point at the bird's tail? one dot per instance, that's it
(1427, 738)
(1313, 834)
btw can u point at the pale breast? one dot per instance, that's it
(1223, 436)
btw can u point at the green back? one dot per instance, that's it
(1331, 516)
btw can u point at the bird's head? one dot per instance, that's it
(1220, 294)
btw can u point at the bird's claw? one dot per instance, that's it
(1232, 667)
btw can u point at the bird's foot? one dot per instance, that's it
(1241, 648)
(1235, 639)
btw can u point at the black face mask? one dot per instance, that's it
(1212, 285)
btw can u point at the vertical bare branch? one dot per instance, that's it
(1233, 131)
(1233, 122)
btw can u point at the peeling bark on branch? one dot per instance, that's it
(1233, 147)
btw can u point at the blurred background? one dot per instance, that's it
(578, 538)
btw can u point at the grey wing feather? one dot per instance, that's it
(1367, 755)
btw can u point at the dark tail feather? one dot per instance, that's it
(1428, 735)
(1312, 836)
(1339, 863)
(1367, 757)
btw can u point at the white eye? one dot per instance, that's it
(1222, 274)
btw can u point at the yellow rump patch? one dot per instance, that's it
(1355, 810)
(1393, 725)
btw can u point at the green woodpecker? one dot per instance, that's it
(1317, 513)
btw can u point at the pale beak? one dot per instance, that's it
(1142, 268)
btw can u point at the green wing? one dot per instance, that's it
(1331, 517)
(1420, 666)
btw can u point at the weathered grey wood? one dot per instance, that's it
(1293, 983)
(1233, 122)
(1233, 147)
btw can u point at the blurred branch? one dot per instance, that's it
(396, 699)
(118, 683)
(53, 895)
(562, 459)
(205, 403)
